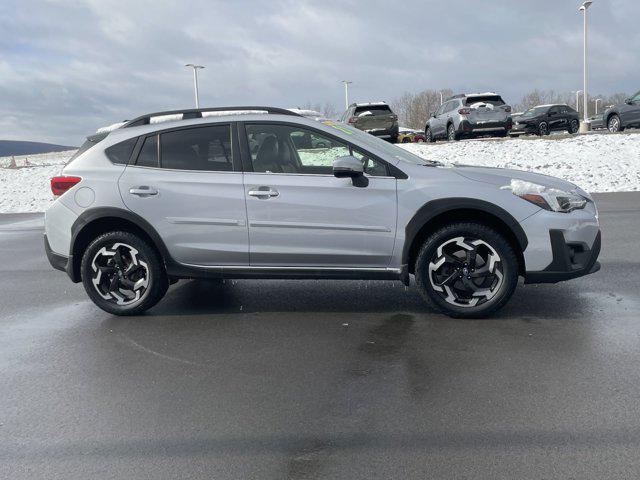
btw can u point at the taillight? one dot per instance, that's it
(353, 120)
(59, 185)
(394, 117)
(507, 109)
(464, 111)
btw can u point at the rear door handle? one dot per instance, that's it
(143, 191)
(263, 193)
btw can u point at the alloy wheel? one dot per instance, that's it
(614, 124)
(466, 272)
(543, 129)
(451, 133)
(575, 126)
(120, 274)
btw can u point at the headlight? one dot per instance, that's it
(545, 197)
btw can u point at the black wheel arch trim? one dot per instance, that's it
(94, 214)
(434, 208)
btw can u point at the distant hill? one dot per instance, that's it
(15, 147)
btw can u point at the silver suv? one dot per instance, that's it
(469, 115)
(154, 201)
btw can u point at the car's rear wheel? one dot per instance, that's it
(428, 135)
(574, 126)
(466, 270)
(406, 140)
(543, 129)
(451, 133)
(123, 274)
(613, 124)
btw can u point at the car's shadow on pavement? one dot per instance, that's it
(202, 297)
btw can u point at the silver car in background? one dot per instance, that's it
(262, 192)
(469, 115)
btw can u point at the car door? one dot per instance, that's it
(630, 112)
(557, 121)
(438, 122)
(187, 183)
(301, 215)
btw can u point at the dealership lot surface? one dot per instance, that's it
(319, 379)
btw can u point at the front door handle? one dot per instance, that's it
(264, 193)
(143, 191)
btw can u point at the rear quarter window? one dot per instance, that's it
(120, 153)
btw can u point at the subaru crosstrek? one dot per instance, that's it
(151, 202)
(469, 115)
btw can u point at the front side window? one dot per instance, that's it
(288, 149)
(201, 148)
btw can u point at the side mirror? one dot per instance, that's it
(350, 167)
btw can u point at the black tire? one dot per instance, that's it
(428, 135)
(543, 129)
(499, 277)
(452, 136)
(127, 260)
(406, 140)
(614, 124)
(574, 126)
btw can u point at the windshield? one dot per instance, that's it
(535, 111)
(380, 144)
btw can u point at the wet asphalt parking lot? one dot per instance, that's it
(320, 379)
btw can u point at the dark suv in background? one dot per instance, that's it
(625, 115)
(544, 119)
(375, 118)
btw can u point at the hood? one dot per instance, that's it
(502, 176)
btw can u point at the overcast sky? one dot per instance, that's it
(69, 67)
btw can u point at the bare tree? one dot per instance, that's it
(413, 109)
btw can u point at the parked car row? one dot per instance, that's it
(486, 114)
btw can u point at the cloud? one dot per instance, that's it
(69, 67)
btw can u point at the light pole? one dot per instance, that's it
(195, 80)
(441, 99)
(597, 100)
(585, 127)
(346, 93)
(578, 100)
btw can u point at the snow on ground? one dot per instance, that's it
(26, 188)
(595, 162)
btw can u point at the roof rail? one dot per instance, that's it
(197, 113)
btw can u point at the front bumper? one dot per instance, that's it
(570, 260)
(520, 128)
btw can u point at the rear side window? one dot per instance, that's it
(148, 156)
(495, 100)
(202, 148)
(121, 152)
(373, 110)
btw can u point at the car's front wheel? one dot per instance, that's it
(466, 270)
(428, 135)
(123, 274)
(543, 129)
